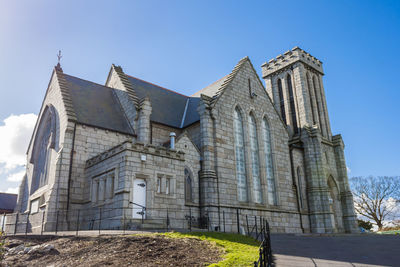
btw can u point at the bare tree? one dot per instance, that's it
(376, 198)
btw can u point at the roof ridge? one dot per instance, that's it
(157, 85)
(210, 85)
(229, 78)
(127, 84)
(89, 81)
(62, 83)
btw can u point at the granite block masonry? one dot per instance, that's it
(240, 148)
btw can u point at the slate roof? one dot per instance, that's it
(8, 201)
(96, 105)
(168, 107)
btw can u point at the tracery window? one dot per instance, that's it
(240, 156)
(272, 199)
(291, 103)
(42, 148)
(188, 186)
(281, 100)
(255, 160)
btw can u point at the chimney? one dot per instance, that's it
(172, 140)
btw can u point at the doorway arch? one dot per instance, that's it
(335, 205)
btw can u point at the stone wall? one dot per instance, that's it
(160, 133)
(284, 216)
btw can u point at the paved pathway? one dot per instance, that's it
(339, 250)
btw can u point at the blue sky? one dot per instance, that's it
(186, 45)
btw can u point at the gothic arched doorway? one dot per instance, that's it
(335, 205)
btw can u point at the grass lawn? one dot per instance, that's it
(393, 232)
(240, 250)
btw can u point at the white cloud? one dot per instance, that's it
(12, 190)
(16, 177)
(15, 135)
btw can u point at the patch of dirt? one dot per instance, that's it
(146, 250)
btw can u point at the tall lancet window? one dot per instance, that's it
(240, 157)
(43, 145)
(281, 100)
(316, 100)
(188, 186)
(255, 160)
(272, 200)
(291, 103)
(311, 99)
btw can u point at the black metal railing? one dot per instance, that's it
(102, 220)
(265, 258)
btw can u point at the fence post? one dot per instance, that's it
(142, 216)
(190, 219)
(27, 223)
(41, 228)
(77, 223)
(16, 224)
(237, 220)
(57, 221)
(223, 219)
(99, 221)
(123, 219)
(247, 224)
(208, 223)
(167, 221)
(255, 220)
(3, 222)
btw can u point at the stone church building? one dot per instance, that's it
(139, 149)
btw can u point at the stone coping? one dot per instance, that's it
(137, 147)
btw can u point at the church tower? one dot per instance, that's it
(294, 83)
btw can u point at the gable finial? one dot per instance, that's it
(59, 56)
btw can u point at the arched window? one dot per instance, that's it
(188, 186)
(240, 157)
(300, 186)
(43, 145)
(311, 99)
(316, 99)
(272, 200)
(255, 160)
(291, 103)
(281, 100)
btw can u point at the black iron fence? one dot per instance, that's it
(265, 258)
(100, 220)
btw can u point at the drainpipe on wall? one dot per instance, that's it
(70, 166)
(216, 166)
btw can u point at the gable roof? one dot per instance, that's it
(8, 201)
(168, 107)
(96, 105)
(211, 89)
(217, 88)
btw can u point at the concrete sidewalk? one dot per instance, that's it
(336, 250)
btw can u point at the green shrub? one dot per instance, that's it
(2, 245)
(365, 224)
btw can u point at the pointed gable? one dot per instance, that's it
(216, 89)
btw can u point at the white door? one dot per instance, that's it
(139, 198)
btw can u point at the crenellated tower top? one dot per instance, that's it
(288, 58)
